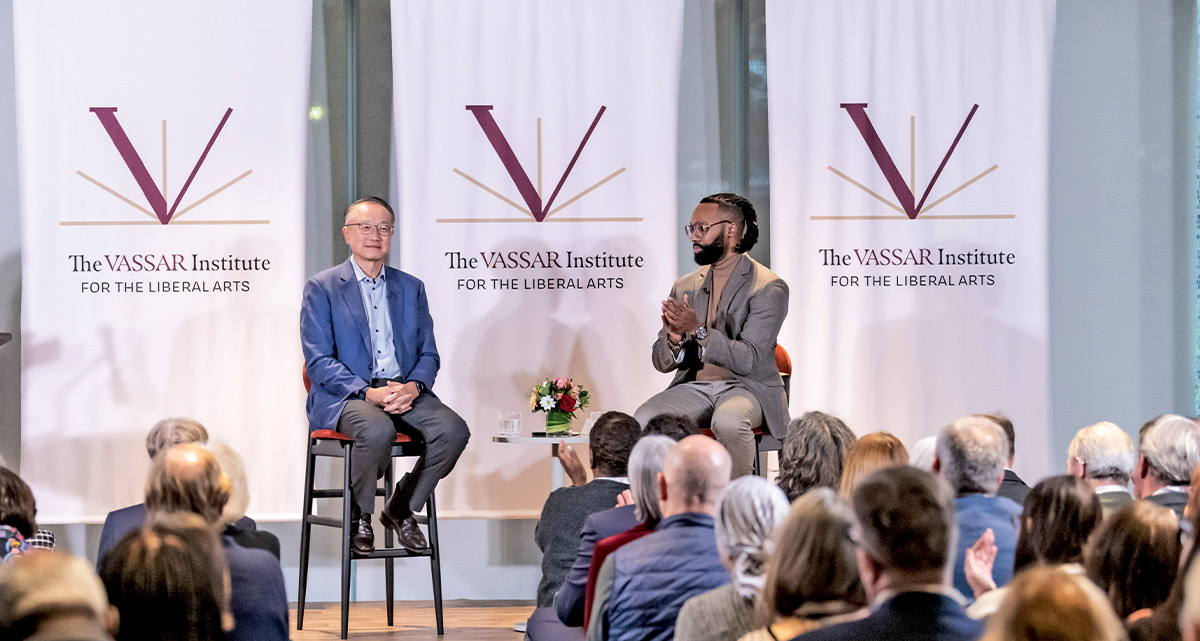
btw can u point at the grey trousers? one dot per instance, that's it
(444, 432)
(732, 409)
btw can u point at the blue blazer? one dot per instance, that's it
(120, 523)
(974, 513)
(337, 343)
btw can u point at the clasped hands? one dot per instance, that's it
(394, 398)
(678, 318)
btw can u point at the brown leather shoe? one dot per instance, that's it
(362, 537)
(408, 533)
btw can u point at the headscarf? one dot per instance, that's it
(748, 511)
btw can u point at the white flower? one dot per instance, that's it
(547, 402)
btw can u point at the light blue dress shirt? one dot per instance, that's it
(374, 295)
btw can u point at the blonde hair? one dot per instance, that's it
(1052, 603)
(871, 452)
(47, 583)
(234, 468)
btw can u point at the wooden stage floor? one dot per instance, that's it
(414, 621)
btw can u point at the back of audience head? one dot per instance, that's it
(187, 478)
(971, 453)
(18, 509)
(1134, 556)
(234, 468)
(921, 454)
(610, 441)
(1169, 448)
(48, 588)
(169, 581)
(694, 474)
(1059, 517)
(812, 561)
(1010, 433)
(1051, 603)
(905, 525)
(675, 426)
(812, 455)
(871, 452)
(170, 432)
(645, 464)
(1101, 452)
(748, 512)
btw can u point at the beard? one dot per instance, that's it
(709, 253)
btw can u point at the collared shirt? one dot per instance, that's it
(1107, 489)
(379, 322)
(1171, 489)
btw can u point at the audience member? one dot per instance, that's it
(645, 462)
(675, 426)
(1168, 451)
(167, 581)
(54, 597)
(813, 450)
(1053, 603)
(187, 478)
(1163, 623)
(747, 514)
(1189, 615)
(1134, 557)
(811, 575)
(18, 509)
(165, 434)
(41, 539)
(1060, 515)
(970, 455)
(652, 576)
(1103, 456)
(905, 530)
(647, 511)
(239, 528)
(921, 454)
(1012, 487)
(872, 452)
(12, 543)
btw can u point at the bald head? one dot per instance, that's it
(187, 478)
(695, 472)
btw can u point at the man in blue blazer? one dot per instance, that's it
(369, 351)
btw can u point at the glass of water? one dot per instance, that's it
(510, 423)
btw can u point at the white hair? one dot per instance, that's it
(921, 454)
(972, 452)
(748, 512)
(645, 462)
(1105, 450)
(234, 468)
(49, 583)
(1172, 448)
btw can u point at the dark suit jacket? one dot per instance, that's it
(1111, 502)
(570, 598)
(1013, 488)
(911, 616)
(559, 529)
(1174, 500)
(121, 522)
(752, 307)
(258, 596)
(975, 513)
(337, 343)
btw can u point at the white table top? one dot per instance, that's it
(571, 437)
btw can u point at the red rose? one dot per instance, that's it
(567, 403)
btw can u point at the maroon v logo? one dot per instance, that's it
(156, 199)
(483, 114)
(912, 207)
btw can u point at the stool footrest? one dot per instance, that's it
(328, 521)
(390, 553)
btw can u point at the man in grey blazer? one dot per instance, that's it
(1103, 456)
(720, 326)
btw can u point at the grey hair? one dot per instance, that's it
(1172, 448)
(1105, 450)
(921, 454)
(645, 462)
(233, 467)
(170, 432)
(748, 512)
(972, 452)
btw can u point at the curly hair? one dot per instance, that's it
(813, 453)
(744, 213)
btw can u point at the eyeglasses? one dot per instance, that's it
(698, 230)
(366, 229)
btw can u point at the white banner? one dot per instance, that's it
(537, 202)
(908, 200)
(162, 160)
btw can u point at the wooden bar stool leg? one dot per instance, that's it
(347, 498)
(305, 535)
(435, 564)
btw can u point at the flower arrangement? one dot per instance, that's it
(559, 398)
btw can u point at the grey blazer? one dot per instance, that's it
(749, 315)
